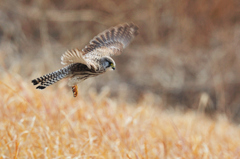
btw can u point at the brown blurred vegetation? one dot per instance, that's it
(187, 52)
(56, 125)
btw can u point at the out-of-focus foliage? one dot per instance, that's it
(55, 125)
(187, 52)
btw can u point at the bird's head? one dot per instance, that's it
(108, 63)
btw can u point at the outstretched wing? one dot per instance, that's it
(111, 41)
(75, 56)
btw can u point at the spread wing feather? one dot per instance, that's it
(110, 42)
(73, 56)
(113, 40)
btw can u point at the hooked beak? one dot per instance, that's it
(113, 67)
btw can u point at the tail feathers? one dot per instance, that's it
(50, 78)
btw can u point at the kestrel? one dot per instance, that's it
(93, 60)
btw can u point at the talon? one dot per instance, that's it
(75, 90)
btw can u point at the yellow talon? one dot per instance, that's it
(75, 90)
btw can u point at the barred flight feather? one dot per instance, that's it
(115, 39)
(73, 56)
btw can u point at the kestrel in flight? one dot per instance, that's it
(93, 60)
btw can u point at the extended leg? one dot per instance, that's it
(75, 90)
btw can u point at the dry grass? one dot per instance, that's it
(53, 124)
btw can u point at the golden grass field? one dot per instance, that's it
(53, 124)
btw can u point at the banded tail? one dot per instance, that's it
(51, 78)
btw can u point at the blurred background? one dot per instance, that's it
(185, 57)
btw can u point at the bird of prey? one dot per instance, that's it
(93, 60)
